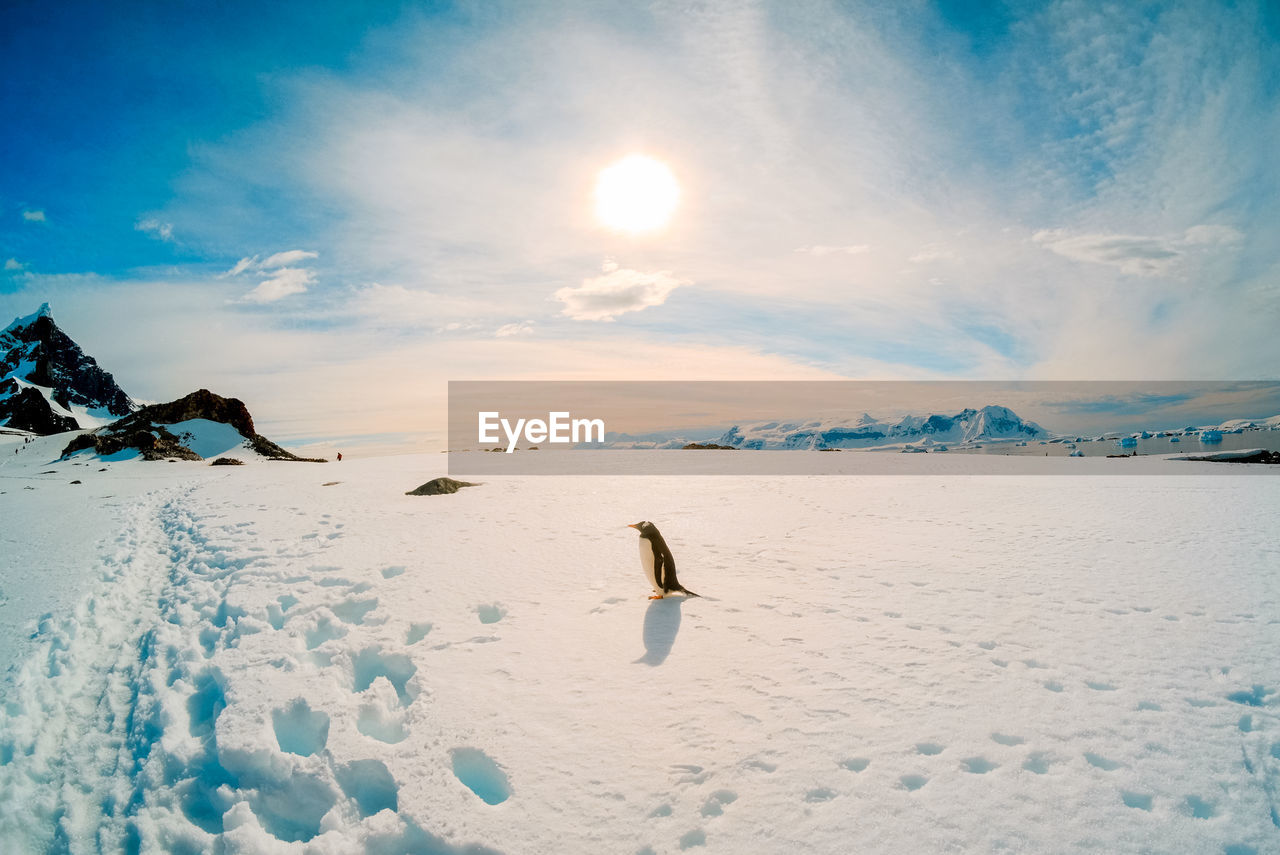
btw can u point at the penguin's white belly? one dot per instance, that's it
(647, 563)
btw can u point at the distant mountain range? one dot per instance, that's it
(967, 426)
(49, 385)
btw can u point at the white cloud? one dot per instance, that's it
(619, 290)
(821, 250)
(283, 283)
(33, 216)
(13, 264)
(241, 266)
(286, 258)
(1132, 254)
(271, 262)
(155, 228)
(1137, 255)
(518, 328)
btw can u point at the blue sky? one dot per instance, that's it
(331, 209)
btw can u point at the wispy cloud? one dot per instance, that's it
(155, 228)
(1134, 254)
(518, 328)
(33, 216)
(286, 258)
(282, 283)
(617, 291)
(271, 262)
(13, 264)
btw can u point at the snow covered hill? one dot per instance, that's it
(969, 425)
(196, 426)
(48, 384)
(280, 659)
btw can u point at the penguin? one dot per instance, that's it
(658, 563)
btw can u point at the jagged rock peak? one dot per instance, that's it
(47, 382)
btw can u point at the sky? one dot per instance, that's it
(331, 209)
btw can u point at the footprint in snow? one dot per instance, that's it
(978, 765)
(690, 839)
(688, 773)
(1198, 808)
(481, 775)
(911, 783)
(417, 632)
(1100, 762)
(354, 611)
(371, 663)
(714, 805)
(1137, 801)
(299, 729)
(1037, 763)
(490, 613)
(369, 784)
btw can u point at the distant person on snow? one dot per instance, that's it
(339, 456)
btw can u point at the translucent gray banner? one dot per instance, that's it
(862, 427)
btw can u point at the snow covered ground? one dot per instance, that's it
(285, 657)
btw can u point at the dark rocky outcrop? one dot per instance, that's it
(35, 350)
(201, 404)
(227, 461)
(440, 487)
(699, 446)
(153, 441)
(26, 409)
(1259, 456)
(146, 430)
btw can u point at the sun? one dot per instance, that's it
(636, 194)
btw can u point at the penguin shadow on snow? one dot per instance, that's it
(661, 625)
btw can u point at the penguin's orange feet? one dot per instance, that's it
(656, 597)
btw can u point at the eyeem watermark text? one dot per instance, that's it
(559, 427)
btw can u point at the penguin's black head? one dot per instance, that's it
(644, 527)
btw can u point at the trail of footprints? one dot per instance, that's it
(321, 609)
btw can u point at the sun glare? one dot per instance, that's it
(636, 194)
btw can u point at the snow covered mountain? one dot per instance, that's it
(969, 425)
(48, 384)
(195, 427)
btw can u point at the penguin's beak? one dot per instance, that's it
(636, 526)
